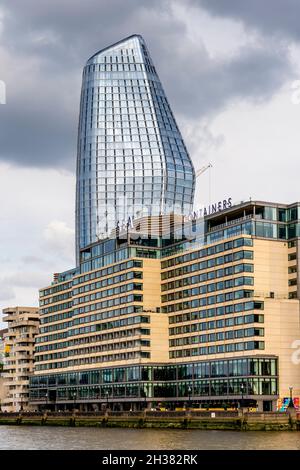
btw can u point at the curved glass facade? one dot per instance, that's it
(131, 160)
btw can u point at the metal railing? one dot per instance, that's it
(269, 295)
(231, 222)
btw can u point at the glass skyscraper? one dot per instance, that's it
(131, 160)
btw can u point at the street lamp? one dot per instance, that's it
(242, 392)
(106, 393)
(96, 391)
(291, 402)
(46, 398)
(74, 398)
(189, 392)
(143, 394)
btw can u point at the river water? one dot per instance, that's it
(43, 438)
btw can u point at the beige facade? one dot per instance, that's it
(18, 361)
(118, 344)
(279, 325)
(281, 313)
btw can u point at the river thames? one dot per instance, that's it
(55, 438)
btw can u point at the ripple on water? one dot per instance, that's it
(36, 438)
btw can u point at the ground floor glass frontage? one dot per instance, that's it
(203, 382)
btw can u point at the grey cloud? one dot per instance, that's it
(53, 39)
(254, 74)
(6, 293)
(271, 17)
(59, 239)
(39, 122)
(24, 279)
(69, 31)
(32, 260)
(37, 129)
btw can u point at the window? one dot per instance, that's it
(270, 213)
(266, 230)
(258, 305)
(292, 214)
(282, 232)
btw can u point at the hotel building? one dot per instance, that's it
(18, 358)
(176, 310)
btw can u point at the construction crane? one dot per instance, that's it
(203, 169)
(200, 172)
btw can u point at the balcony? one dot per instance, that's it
(9, 336)
(8, 380)
(9, 318)
(31, 322)
(27, 348)
(269, 295)
(232, 222)
(24, 340)
(20, 382)
(8, 401)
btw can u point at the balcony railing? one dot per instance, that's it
(269, 295)
(231, 222)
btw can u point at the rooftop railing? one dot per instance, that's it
(231, 222)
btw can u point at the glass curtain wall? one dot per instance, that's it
(131, 158)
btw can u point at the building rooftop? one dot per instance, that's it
(111, 46)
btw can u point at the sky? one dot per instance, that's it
(230, 70)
